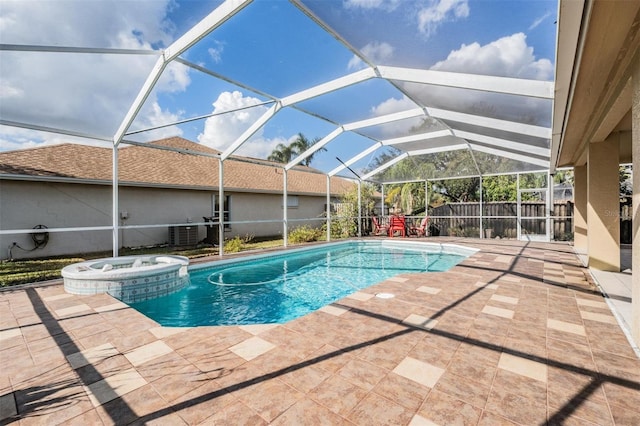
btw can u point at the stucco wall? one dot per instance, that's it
(245, 206)
(24, 204)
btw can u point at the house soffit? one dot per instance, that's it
(602, 92)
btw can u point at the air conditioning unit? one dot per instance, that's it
(183, 235)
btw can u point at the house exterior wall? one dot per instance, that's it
(248, 206)
(157, 206)
(25, 204)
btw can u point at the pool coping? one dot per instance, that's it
(453, 249)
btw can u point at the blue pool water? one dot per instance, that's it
(282, 287)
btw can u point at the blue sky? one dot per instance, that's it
(270, 46)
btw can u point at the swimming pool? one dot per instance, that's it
(279, 287)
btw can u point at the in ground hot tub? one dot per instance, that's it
(128, 278)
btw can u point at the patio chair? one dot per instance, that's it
(420, 231)
(378, 228)
(397, 223)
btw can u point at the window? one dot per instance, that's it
(292, 202)
(226, 212)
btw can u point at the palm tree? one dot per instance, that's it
(301, 144)
(283, 153)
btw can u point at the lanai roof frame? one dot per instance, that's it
(404, 80)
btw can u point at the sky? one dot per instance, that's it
(271, 47)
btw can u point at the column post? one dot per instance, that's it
(285, 209)
(603, 204)
(635, 142)
(115, 208)
(580, 241)
(220, 207)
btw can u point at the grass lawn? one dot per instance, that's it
(28, 271)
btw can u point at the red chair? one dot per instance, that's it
(397, 223)
(420, 231)
(378, 228)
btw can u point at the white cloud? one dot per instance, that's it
(539, 21)
(392, 105)
(89, 93)
(507, 57)
(14, 138)
(220, 131)
(372, 4)
(439, 11)
(396, 128)
(354, 64)
(376, 52)
(153, 116)
(261, 147)
(216, 51)
(7, 90)
(96, 23)
(175, 78)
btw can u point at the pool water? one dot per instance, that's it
(282, 287)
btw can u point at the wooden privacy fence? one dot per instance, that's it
(500, 219)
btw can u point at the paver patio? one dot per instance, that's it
(515, 334)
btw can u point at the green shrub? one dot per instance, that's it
(304, 234)
(567, 236)
(462, 231)
(341, 228)
(234, 245)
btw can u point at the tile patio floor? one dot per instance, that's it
(516, 334)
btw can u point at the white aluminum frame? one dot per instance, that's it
(511, 149)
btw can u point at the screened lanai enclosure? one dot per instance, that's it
(454, 108)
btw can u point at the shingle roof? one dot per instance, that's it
(159, 167)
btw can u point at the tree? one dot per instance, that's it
(301, 144)
(458, 190)
(563, 176)
(626, 181)
(392, 196)
(345, 223)
(285, 153)
(281, 154)
(408, 197)
(533, 180)
(499, 188)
